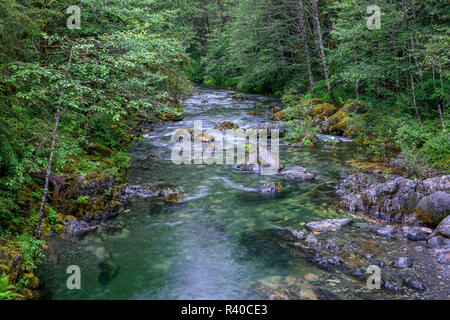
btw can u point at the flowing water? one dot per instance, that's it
(203, 247)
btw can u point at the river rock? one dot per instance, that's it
(416, 235)
(386, 231)
(239, 96)
(327, 225)
(270, 188)
(434, 208)
(263, 162)
(78, 228)
(403, 262)
(435, 242)
(444, 228)
(297, 174)
(390, 199)
(413, 284)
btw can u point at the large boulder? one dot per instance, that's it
(323, 110)
(434, 208)
(387, 198)
(444, 228)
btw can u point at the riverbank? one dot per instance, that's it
(86, 190)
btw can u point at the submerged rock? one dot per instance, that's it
(403, 262)
(270, 188)
(297, 174)
(386, 231)
(78, 228)
(327, 225)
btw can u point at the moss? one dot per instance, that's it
(323, 110)
(252, 113)
(278, 116)
(338, 123)
(313, 102)
(59, 228)
(102, 150)
(259, 105)
(266, 100)
(174, 197)
(178, 115)
(239, 96)
(355, 106)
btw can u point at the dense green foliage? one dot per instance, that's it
(131, 60)
(403, 66)
(126, 63)
(126, 59)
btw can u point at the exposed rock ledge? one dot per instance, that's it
(395, 199)
(86, 200)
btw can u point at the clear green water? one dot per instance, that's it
(200, 248)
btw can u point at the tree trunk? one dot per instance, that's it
(442, 117)
(306, 46)
(52, 149)
(318, 32)
(414, 98)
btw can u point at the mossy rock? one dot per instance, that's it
(227, 125)
(59, 219)
(236, 105)
(259, 105)
(102, 150)
(152, 156)
(323, 110)
(253, 114)
(355, 106)
(266, 100)
(337, 123)
(66, 218)
(178, 116)
(174, 197)
(239, 96)
(201, 137)
(314, 101)
(59, 228)
(278, 116)
(33, 281)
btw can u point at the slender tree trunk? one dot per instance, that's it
(318, 32)
(442, 117)
(306, 46)
(52, 149)
(414, 98)
(356, 84)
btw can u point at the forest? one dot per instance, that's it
(72, 99)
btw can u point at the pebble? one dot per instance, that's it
(416, 235)
(311, 277)
(403, 262)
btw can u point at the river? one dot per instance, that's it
(213, 244)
